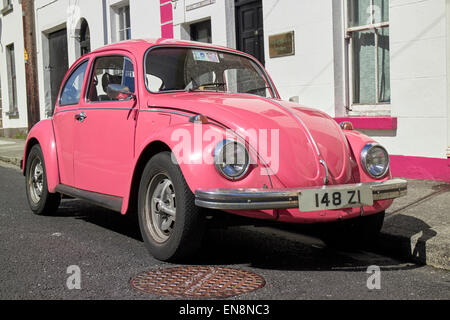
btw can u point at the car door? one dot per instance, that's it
(64, 121)
(104, 134)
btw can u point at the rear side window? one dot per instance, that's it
(72, 88)
(110, 70)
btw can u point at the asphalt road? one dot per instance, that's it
(35, 253)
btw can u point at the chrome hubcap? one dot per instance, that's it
(36, 180)
(160, 208)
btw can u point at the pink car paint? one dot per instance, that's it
(102, 154)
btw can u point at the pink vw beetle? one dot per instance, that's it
(178, 130)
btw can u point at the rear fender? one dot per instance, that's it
(42, 133)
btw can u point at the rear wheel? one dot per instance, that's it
(40, 200)
(171, 225)
(354, 233)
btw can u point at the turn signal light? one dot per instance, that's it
(199, 119)
(346, 125)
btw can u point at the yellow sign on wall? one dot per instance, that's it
(281, 45)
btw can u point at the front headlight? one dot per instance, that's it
(231, 159)
(375, 160)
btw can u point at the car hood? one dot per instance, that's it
(305, 136)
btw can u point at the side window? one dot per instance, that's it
(110, 70)
(72, 89)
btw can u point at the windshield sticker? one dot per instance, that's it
(208, 56)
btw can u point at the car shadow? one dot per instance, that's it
(126, 225)
(286, 249)
(410, 228)
(276, 247)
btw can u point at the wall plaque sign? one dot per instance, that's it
(281, 45)
(199, 4)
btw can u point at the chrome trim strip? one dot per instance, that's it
(326, 180)
(90, 108)
(167, 111)
(260, 199)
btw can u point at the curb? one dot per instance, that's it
(11, 161)
(416, 250)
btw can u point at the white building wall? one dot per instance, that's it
(221, 13)
(12, 33)
(448, 76)
(144, 17)
(309, 74)
(419, 58)
(419, 42)
(419, 87)
(54, 15)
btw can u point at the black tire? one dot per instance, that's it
(185, 236)
(46, 203)
(355, 233)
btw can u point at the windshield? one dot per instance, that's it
(190, 69)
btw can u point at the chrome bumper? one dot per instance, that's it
(261, 199)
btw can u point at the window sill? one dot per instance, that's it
(7, 9)
(12, 115)
(374, 123)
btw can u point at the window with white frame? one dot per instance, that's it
(7, 6)
(124, 26)
(7, 3)
(12, 84)
(368, 34)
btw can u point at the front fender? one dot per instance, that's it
(357, 141)
(42, 133)
(199, 172)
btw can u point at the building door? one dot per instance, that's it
(249, 28)
(58, 62)
(201, 31)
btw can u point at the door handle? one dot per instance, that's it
(81, 116)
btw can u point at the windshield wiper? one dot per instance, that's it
(210, 84)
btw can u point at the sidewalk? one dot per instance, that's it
(416, 227)
(11, 150)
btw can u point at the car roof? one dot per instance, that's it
(140, 45)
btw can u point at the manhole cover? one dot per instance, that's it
(198, 281)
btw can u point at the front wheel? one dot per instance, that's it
(40, 200)
(171, 225)
(355, 233)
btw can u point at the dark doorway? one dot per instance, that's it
(58, 62)
(201, 31)
(84, 38)
(249, 28)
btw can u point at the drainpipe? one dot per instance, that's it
(105, 23)
(30, 63)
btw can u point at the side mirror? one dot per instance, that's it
(294, 99)
(119, 92)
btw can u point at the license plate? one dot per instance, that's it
(335, 198)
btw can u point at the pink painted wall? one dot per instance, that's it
(420, 168)
(166, 19)
(383, 123)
